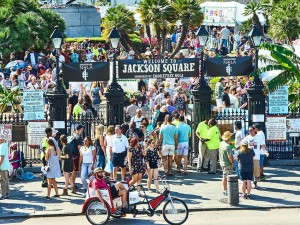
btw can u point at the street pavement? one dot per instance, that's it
(201, 192)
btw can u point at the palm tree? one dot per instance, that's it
(123, 19)
(160, 15)
(288, 63)
(252, 9)
(190, 15)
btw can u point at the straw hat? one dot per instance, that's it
(97, 170)
(226, 135)
(179, 89)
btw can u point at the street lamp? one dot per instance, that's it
(57, 39)
(202, 35)
(256, 37)
(114, 93)
(57, 96)
(202, 92)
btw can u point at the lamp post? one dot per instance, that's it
(202, 92)
(114, 93)
(57, 96)
(256, 97)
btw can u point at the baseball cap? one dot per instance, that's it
(79, 127)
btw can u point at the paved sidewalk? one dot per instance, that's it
(201, 191)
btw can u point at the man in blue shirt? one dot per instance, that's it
(4, 167)
(168, 137)
(184, 133)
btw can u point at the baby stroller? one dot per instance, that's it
(17, 162)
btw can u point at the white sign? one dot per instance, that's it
(292, 125)
(36, 132)
(219, 15)
(258, 118)
(59, 124)
(276, 128)
(129, 85)
(33, 102)
(278, 101)
(6, 131)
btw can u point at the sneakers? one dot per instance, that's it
(255, 184)
(1, 197)
(47, 198)
(225, 193)
(245, 196)
(262, 177)
(248, 196)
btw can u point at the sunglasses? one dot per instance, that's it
(142, 126)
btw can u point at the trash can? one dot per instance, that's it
(233, 189)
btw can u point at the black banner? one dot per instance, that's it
(229, 66)
(158, 68)
(88, 71)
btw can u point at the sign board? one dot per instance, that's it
(276, 128)
(279, 101)
(229, 66)
(18, 133)
(87, 71)
(59, 124)
(219, 15)
(6, 131)
(33, 102)
(158, 68)
(36, 132)
(129, 85)
(258, 118)
(292, 125)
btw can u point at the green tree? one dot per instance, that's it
(123, 19)
(252, 9)
(190, 15)
(160, 15)
(23, 25)
(287, 62)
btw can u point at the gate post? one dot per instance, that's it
(202, 103)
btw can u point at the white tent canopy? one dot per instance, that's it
(225, 13)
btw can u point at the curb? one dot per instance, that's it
(15, 216)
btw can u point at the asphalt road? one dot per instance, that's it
(235, 217)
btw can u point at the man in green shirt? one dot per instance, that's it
(213, 141)
(226, 158)
(78, 108)
(45, 146)
(201, 133)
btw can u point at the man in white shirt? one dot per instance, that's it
(4, 167)
(160, 97)
(137, 118)
(119, 152)
(263, 151)
(255, 144)
(225, 32)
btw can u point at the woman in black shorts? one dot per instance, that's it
(152, 160)
(245, 159)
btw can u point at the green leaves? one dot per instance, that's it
(8, 96)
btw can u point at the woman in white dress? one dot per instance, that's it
(152, 92)
(53, 154)
(108, 145)
(234, 102)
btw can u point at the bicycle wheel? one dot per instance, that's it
(96, 213)
(175, 212)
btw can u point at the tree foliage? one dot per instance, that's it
(252, 9)
(23, 25)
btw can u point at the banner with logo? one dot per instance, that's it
(229, 66)
(158, 68)
(88, 71)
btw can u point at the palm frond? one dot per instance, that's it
(266, 69)
(280, 80)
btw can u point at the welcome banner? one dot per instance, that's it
(158, 68)
(88, 71)
(229, 66)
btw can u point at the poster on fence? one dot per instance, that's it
(33, 102)
(292, 125)
(6, 131)
(36, 132)
(279, 101)
(276, 128)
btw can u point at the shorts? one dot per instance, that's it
(246, 175)
(256, 170)
(167, 150)
(118, 159)
(183, 148)
(261, 160)
(76, 163)
(227, 170)
(214, 40)
(153, 165)
(114, 193)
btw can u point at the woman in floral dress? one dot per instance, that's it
(136, 162)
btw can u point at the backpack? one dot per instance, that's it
(73, 145)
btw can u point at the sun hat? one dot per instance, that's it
(97, 170)
(226, 135)
(179, 89)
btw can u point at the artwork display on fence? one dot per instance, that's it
(292, 125)
(158, 68)
(33, 102)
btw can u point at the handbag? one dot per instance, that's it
(108, 166)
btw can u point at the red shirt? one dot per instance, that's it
(98, 183)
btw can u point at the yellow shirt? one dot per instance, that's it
(175, 122)
(77, 110)
(214, 138)
(202, 129)
(45, 146)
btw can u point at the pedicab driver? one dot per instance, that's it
(117, 190)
